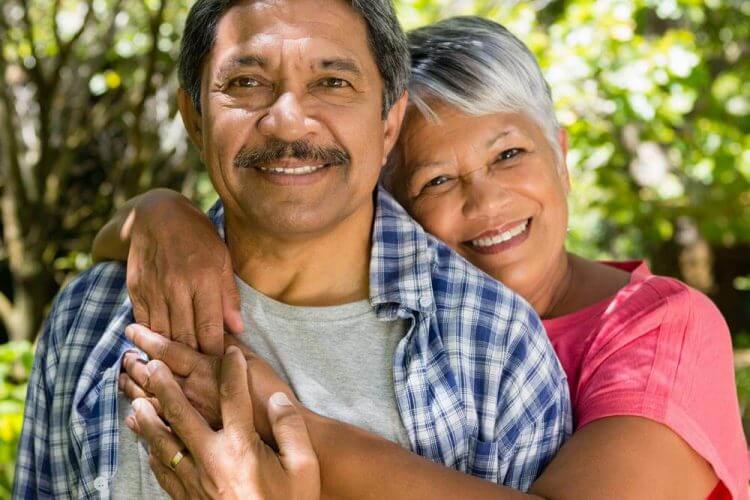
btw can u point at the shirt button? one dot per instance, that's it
(100, 484)
(424, 302)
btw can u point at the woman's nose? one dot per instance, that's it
(483, 198)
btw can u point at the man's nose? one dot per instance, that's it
(286, 119)
(483, 198)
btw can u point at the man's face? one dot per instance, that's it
(291, 128)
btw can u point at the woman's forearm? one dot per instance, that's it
(113, 240)
(357, 464)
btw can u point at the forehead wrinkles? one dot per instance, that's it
(272, 30)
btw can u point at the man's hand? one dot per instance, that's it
(197, 374)
(195, 462)
(179, 274)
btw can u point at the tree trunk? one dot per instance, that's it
(31, 294)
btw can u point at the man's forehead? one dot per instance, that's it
(306, 27)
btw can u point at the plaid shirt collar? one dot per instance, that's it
(401, 257)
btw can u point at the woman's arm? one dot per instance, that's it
(616, 457)
(112, 242)
(179, 277)
(626, 457)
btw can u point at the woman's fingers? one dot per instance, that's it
(181, 316)
(209, 325)
(133, 391)
(236, 405)
(230, 299)
(296, 452)
(184, 420)
(180, 358)
(158, 314)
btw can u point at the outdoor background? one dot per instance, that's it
(655, 95)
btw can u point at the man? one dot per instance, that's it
(294, 106)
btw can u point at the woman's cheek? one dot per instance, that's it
(440, 217)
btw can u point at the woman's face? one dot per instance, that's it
(491, 188)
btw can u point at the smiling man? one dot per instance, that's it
(294, 106)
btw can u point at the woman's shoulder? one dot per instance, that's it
(650, 302)
(656, 337)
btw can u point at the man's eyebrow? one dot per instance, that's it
(341, 64)
(243, 61)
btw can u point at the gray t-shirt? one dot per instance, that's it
(338, 360)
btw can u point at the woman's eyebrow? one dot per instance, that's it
(499, 136)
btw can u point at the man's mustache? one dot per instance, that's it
(276, 150)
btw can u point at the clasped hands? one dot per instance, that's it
(213, 424)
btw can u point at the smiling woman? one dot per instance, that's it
(481, 165)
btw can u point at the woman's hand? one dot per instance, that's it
(179, 272)
(192, 461)
(198, 376)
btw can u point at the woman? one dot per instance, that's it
(481, 165)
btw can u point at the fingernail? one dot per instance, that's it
(129, 333)
(280, 399)
(136, 403)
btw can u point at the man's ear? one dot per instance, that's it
(191, 118)
(393, 122)
(562, 140)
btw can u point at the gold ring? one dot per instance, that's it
(176, 459)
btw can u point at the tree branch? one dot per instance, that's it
(6, 309)
(55, 27)
(136, 136)
(36, 72)
(10, 141)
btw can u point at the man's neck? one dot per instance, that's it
(320, 270)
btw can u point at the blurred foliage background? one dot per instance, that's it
(654, 93)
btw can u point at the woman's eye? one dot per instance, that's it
(509, 153)
(335, 83)
(437, 181)
(244, 82)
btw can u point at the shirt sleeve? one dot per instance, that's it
(537, 412)
(665, 354)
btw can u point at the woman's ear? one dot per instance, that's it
(562, 141)
(191, 118)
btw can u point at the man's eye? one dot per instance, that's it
(509, 153)
(244, 82)
(335, 83)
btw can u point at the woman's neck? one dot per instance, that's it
(582, 283)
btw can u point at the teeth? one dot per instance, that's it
(502, 237)
(292, 171)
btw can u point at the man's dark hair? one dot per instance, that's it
(386, 39)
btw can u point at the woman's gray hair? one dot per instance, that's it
(479, 67)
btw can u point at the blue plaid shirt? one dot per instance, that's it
(478, 385)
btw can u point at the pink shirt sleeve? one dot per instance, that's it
(663, 352)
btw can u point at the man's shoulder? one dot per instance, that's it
(460, 286)
(89, 300)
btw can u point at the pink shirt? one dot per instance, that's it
(661, 350)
